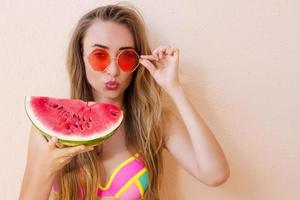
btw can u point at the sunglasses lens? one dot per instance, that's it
(128, 60)
(99, 59)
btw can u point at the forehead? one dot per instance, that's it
(110, 34)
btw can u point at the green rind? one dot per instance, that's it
(76, 143)
(92, 142)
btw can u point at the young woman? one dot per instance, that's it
(109, 60)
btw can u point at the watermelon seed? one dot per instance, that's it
(90, 120)
(81, 127)
(74, 115)
(84, 118)
(88, 125)
(55, 106)
(61, 111)
(113, 113)
(75, 124)
(60, 107)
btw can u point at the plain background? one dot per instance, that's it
(239, 66)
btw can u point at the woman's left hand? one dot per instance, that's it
(166, 72)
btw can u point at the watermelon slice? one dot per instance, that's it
(72, 121)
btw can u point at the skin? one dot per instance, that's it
(195, 147)
(189, 140)
(114, 36)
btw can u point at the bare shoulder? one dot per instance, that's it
(54, 190)
(53, 195)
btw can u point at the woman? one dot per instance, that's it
(109, 60)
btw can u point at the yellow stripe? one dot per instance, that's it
(131, 181)
(141, 189)
(116, 171)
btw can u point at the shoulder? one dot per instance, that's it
(53, 195)
(55, 188)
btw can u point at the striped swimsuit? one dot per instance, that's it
(129, 181)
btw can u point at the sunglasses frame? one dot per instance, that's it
(111, 58)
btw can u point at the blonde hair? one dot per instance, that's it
(143, 108)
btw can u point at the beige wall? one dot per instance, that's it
(240, 64)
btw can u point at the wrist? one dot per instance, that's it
(43, 171)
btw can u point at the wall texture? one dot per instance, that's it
(240, 65)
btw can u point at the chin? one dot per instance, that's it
(111, 94)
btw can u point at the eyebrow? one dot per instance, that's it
(106, 47)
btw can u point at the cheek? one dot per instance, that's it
(126, 81)
(93, 78)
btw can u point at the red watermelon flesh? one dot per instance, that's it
(74, 121)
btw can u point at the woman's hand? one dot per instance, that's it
(44, 159)
(50, 157)
(166, 72)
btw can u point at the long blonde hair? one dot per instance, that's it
(144, 109)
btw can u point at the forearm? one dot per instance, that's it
(36, 185)
(208, 153)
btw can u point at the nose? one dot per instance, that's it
(113, 69)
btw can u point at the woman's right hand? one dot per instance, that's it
(51, 156)
(44, 160)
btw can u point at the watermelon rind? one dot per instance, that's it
(95, 139)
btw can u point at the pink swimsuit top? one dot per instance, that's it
(129, 181)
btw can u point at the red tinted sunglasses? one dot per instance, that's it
(127, 59)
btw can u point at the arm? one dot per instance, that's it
(189, 139)
(192, 144)
(36, 182)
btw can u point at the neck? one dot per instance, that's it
(117, 100)
(113, 145)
